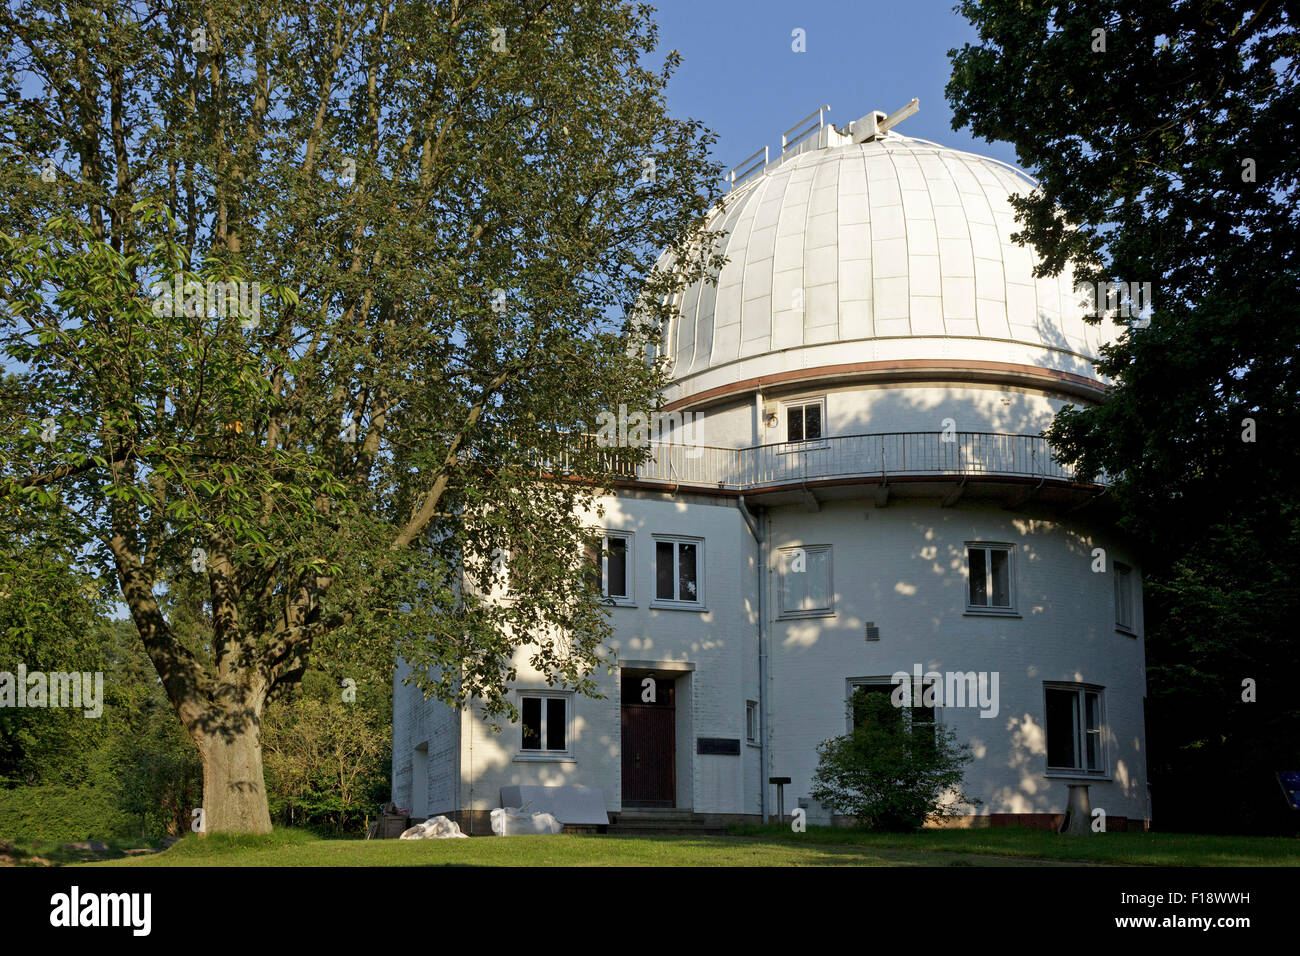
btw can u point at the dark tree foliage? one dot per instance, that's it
(1165, 145)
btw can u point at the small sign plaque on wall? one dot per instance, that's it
(724, 746)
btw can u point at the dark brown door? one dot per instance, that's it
(649, 744)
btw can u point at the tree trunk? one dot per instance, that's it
(234, 790)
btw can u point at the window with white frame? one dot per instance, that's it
(544, 723)
(916, 716)
(804, 581)
(1074, 729)
(679, 565)
(503, 580)
(1123, 597)
(751, 721)
(803, 420)
(991, 569)
(610, 556)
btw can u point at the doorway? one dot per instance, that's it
(649, 742)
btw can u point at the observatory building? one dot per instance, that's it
(867, 496)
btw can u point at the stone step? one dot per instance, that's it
(649, 822)
(665, 829)
(662, 816)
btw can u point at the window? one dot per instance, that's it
(678, 563)
(805, 581)
(1074, 719)
(545, 723)
(751, 721)
(611, 557)
(991, 577)
(803, 421)
(919, 719)
(1123, 597)
(504, 580)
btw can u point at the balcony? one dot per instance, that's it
(882, 457)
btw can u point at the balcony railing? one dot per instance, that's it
(853, 456)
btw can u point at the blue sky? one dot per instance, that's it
(741, 78)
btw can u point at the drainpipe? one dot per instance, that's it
(471, 768)
(761, 541)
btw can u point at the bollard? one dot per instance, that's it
(780, 796)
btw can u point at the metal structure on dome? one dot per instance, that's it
(864, 130)
(750, 164)
(876, 123)
(802, 129)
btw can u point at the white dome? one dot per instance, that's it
(896, 249)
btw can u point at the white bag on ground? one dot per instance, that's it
(437, 828)
(514, 821)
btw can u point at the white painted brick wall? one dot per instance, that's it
(417, 721)
(903, 567)
(720, 642)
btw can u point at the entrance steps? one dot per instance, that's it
(654, 822)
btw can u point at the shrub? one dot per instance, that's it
(61, 814)
(892, 771)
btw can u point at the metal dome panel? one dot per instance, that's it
(886, 239)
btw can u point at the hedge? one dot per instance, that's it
(61, 814)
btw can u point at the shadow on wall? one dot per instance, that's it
(927, 590)
(594, 729)
(1035, 793)
(926, 408)
(1049, 329)
(920, 603)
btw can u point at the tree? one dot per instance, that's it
(48, 624)
(327, 759)
(894, 770)
(50, 613)
(451, 211)
(1162, 135)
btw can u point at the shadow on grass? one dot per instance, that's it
(767, 846)
(1135, 848)
(25, 852)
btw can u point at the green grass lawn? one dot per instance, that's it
(744, 846)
